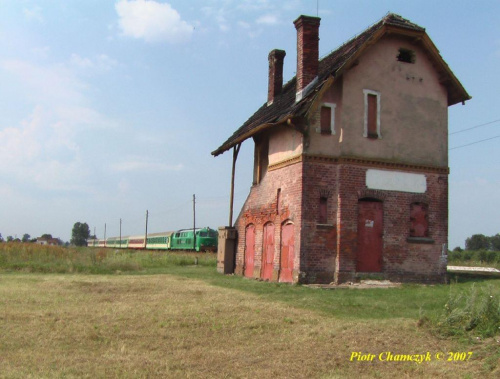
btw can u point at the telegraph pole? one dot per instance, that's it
(146, 235)
(104, 234)
(120, 233)
(194, 222)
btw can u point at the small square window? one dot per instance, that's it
(406, 55)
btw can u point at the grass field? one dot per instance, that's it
(171, 318)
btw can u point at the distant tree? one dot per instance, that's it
(458, 248)
(477, 242)
(495, 242)
(46, 236)
(1, 238)
(10, 238)
(80, 234)
(26, 238)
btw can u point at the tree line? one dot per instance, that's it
(79, 236)
(482, 242)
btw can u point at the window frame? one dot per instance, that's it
(332, 107)
(366, 93)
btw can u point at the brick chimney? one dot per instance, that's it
(276, 58)
(307, 51)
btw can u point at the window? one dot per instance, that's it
(261, 159)
(406, 55)
(372, 114)
(323, 207)
(419, 220)
(327, 119)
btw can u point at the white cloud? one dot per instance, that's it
(244, 25)
(45, 84)
(142, 164)
(152, 21)
(254, 5)
(43, 148)
(99, 63)
(33, 14)
(220, 17)
(268, 19)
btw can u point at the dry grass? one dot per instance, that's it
(166, 326)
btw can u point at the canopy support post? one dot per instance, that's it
(236, 150)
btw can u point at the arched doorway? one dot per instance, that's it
(287, 253)
(249, 250)
(268, 251)
(370, 233)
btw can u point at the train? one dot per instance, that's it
(206, 240)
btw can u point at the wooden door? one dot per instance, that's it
(268, 252)
(249, 250)
(370, 232)
(287, 253)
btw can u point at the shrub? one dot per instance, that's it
(477, 310)
(467, 255)
(480, 255)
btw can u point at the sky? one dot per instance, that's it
(109, 108)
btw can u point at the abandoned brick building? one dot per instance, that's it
(351, 161)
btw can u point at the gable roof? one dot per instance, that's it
(285, 108)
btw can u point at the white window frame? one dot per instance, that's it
(332, 107)
(367, 92)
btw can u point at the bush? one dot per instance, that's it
(480, 255)
(467, 255)
(478, 311)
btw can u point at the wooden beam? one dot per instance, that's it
(236, 150)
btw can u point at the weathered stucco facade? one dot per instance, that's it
(351, 161)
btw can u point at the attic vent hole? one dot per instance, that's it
(407, 56)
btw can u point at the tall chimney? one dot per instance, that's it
(276, 58)
(307, 50)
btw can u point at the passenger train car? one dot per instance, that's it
(206, 240)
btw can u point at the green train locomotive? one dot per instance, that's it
(183, 239)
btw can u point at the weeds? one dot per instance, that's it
(476, 310)
(30, 257)
(474, 258)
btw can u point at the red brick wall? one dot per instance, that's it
(319, 241)
(403, 260)
(327, 253)
(261, 207)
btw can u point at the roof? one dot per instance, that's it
(285, 108)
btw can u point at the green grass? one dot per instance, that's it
(157, 314)
(29, 257)
(408, 301)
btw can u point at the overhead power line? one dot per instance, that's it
(474, 127)
(473, 143)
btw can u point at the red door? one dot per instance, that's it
(370, 230)
(268, 252)
(287, 253)
(249, 250)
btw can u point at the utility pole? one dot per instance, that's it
(104, 234)
(194, 222)
(146, 235)
(120, 233)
